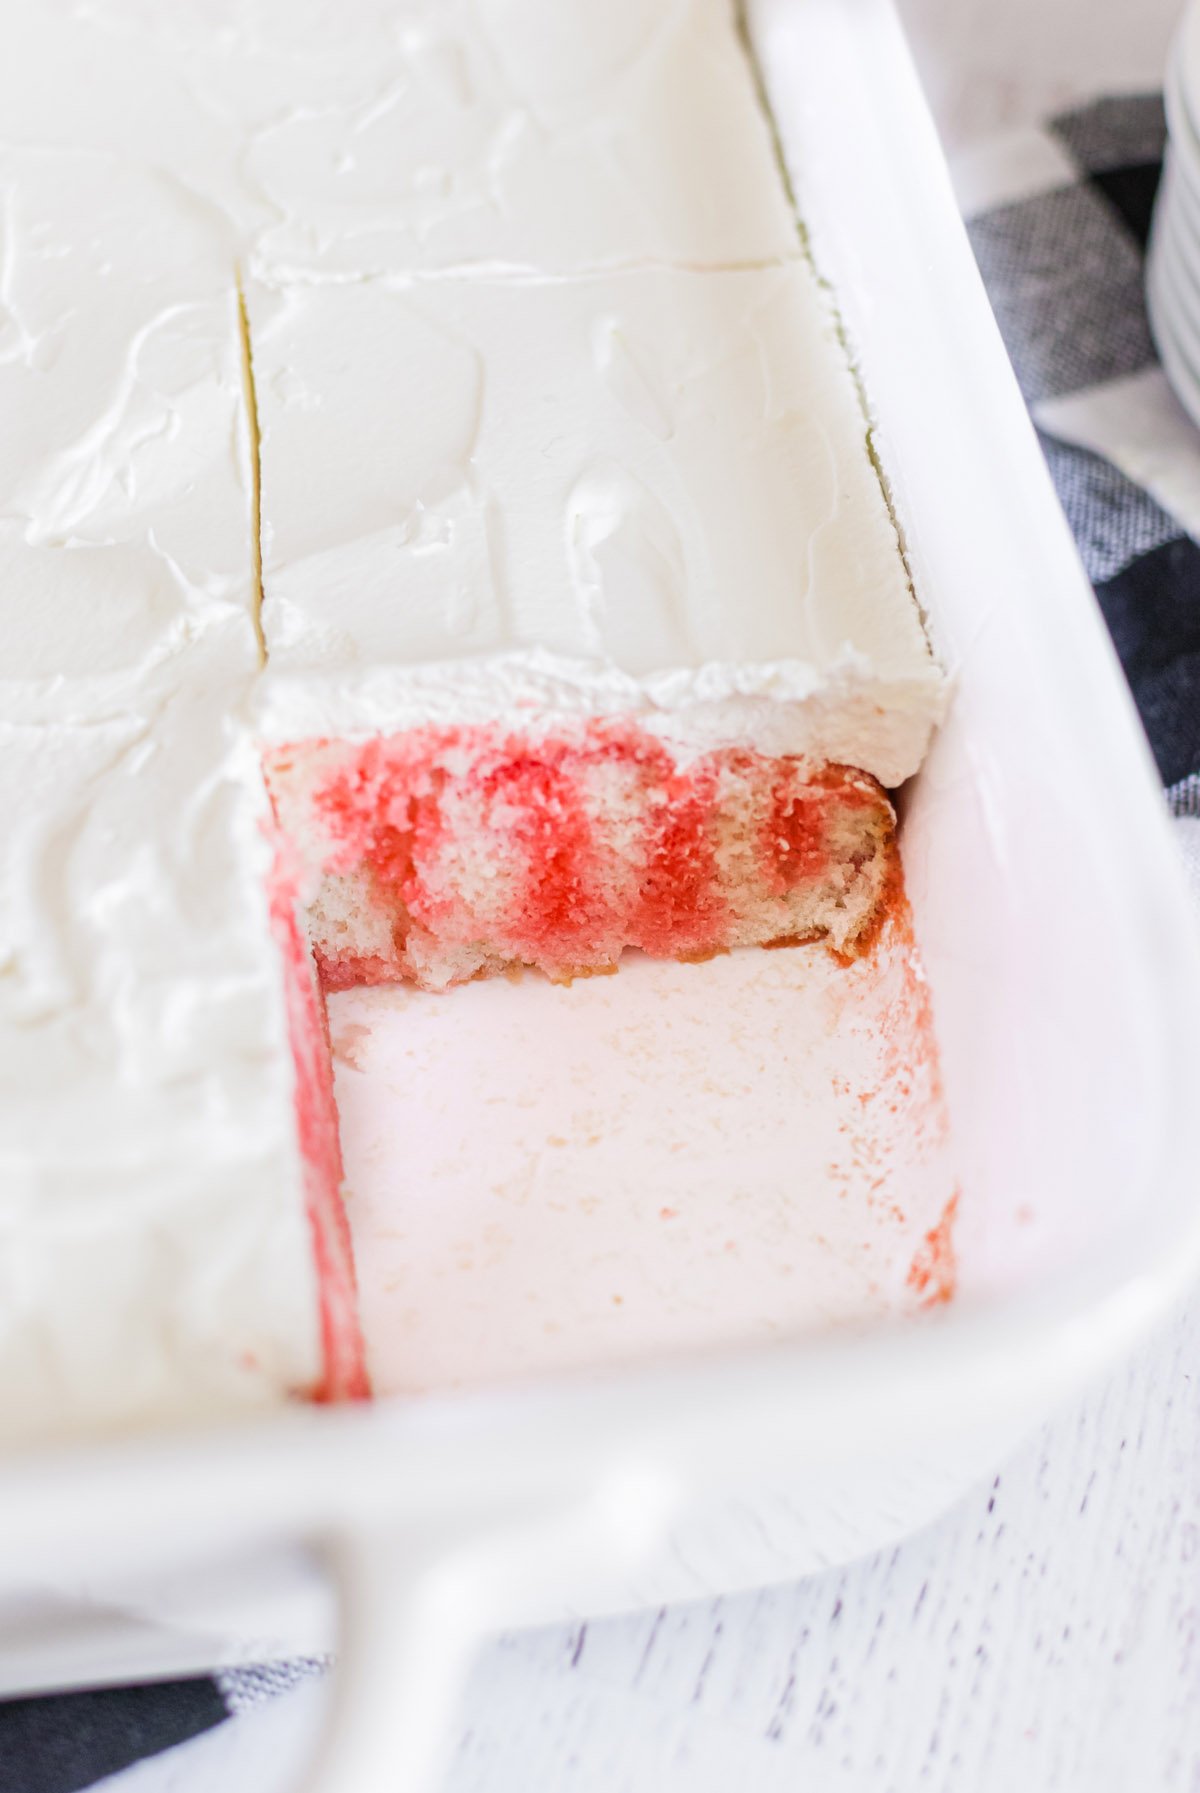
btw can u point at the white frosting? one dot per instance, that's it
(640, 491)
(155, 1258)
(518, 134)
(124, 517)
(393, 134)
(554, 421)
(847, 717)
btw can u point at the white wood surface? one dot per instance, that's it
(1046, 1634)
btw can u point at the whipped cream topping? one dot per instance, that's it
(125, 524)
(155, 1257)
(554, 418)
(398, 134)
(645, 490)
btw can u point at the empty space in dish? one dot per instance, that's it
(680, 1156)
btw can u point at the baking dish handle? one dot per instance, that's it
(413, 1603)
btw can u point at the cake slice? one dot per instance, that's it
(601, 639)
(173, 1239)
(174, 1243)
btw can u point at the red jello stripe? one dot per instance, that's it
(533, 803)
(421, 813)
(680, 909)
(344, 1370)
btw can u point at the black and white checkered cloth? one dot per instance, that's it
(1059, 219)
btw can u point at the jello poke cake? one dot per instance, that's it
(441, 535)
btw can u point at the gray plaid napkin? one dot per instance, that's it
(1061, 243)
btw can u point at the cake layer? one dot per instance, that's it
(421, 134)
(648, 492)
(443, 855)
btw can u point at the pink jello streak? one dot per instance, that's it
(344, 1368)
(382, 804)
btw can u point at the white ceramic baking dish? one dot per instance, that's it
(1061, 952)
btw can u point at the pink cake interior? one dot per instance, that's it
(443, 854)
